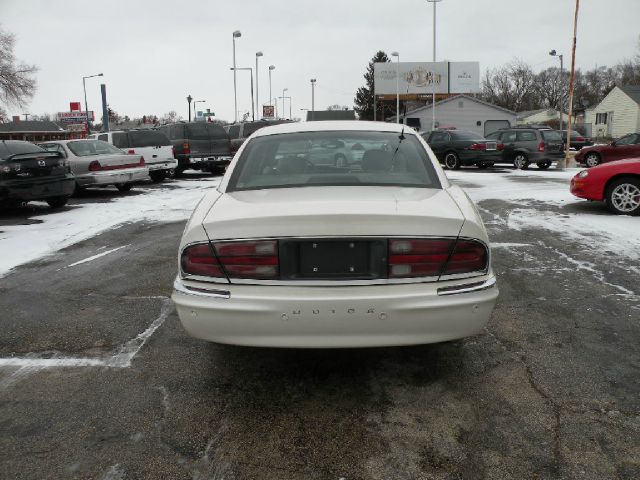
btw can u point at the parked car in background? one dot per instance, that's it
(95, 163)
(153, 145)
(616, 183)
(238, 132)
(578, 141)
(29, 172)
(287, 252)
(624, 147)
(456, 148)
(199, 146)
(524, 146)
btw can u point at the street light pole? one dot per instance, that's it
(554, 54)
(396, 54)
(283, 90)
(253, 105)
(189, 98)
(313, 99)
(258, 54)
(86, 107)
(271, 68)
(433, 104)
(236, 34)
(194, 108)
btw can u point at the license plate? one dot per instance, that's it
(331, 258)
(491, 146)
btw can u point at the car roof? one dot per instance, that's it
(333, 125)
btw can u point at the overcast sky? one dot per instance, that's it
(154, 53)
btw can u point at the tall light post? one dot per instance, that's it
(86, 107)
(236, 34)
(554, 54)
(283, 90)
(253, 105)
(433, 104)
(258, 54)
(313, 98)
(271, 68)
(189, 98)
(195, 110)
(396, 54)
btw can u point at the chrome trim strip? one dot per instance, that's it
(468, 288)
(180, 287)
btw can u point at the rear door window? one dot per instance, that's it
(104, 137)
(148, 138)
(551, 136)
(509, 137)
(526, 136)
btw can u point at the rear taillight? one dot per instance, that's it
(541, 147)
(435, 257)
(95, 166)
(173, 151)
(200, 260)
(141, 162)
(255, 259)
(185, 148)
(580, 139)
(500, 146)
(478, 146)
(131, 151)
(418, 257)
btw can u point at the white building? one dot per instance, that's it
(617, 114)
(462, 112)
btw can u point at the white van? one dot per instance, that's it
(153, 145)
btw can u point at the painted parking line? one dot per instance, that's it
(93, 257)
(121, 359)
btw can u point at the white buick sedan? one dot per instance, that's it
(292, 250)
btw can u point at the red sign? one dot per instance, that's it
(74, 117)
(268, 111)
(75, 106)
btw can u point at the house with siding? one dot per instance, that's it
(462, 112)
(617, 114)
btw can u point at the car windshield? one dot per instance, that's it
(338, 158)
(85, 148)
(551, 135)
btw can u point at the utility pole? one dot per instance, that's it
(433, 84)
(236, 34)
(258, 54)
(313, 99)
(571, 162)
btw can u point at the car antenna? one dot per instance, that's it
(401, 137)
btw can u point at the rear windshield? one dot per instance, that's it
(551, 135)
(341, 158)
(86, 148)
(120, 140)
(205, 131)
(148, 138)
(10, 148)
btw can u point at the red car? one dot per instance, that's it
(616, 183)
(624, 147)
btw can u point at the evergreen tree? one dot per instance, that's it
(364, 95)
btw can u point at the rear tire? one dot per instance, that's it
(623, 196)
(520, 161)
(451, 161)
(157, 175)
(592, 159)
(78, 190)
(124, 187)
(57, 202)
(544, 165)
(178, 172)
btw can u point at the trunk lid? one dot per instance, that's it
(334, 212)
(33, 165)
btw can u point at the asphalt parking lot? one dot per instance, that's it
(99, 380)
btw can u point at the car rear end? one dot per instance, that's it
(335, 266)
(206, 147)
(33, 175)
(154, 146)
(550, 147)
(483, 152)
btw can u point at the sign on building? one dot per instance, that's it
(426, 78)
(268, 111)
(74, 117)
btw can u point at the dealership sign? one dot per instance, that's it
(268, 111)
(420, 78)
(75, 117)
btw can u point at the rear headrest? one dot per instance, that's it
(376, 161)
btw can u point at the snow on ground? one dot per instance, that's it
(600, 231)
(24, 243)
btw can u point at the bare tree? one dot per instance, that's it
(17, 81)
(170, 117)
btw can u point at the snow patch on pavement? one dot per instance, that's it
(25, 243)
